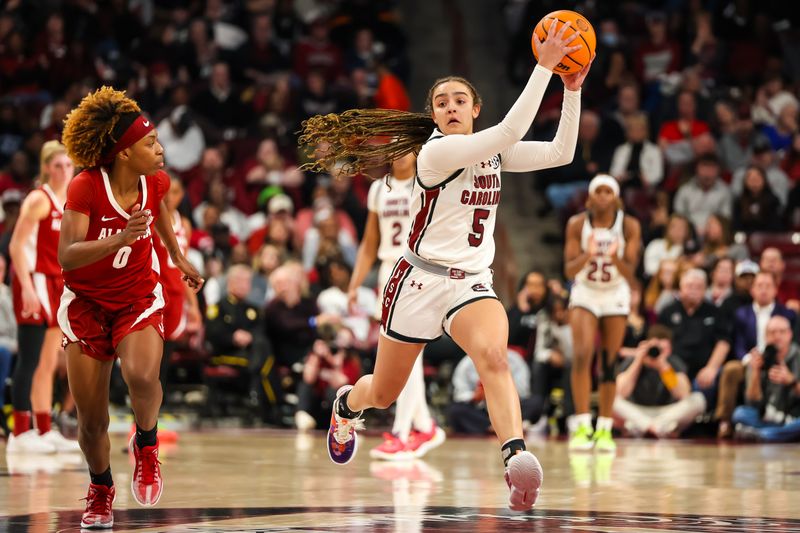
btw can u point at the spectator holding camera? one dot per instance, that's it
(331, 363)
(654, 394)
(772, 392)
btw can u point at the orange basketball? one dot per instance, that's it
(575, 61)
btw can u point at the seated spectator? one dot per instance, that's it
(182, 139)
(268, 168)
(334, 275)
(679, 138)
(523, 315)
(718, 243)
(468, 413)
(331, 363)
(751, 320)
(757, 208)
(699, 335)
(220, 196)
(772, 393)
(663, 287)
(265, 261)
(765, 159)
(235, 334)
(736, 142)
(326, 239)
(8, 338)
(721, 286)
(279, 210)
(654, 395)
(668, 247)
(788, 292)
(780, 134)
(552, 357)
(636, 324)
(745, 273)
(704, 195)
(638, 162)
(791, 162)
(291, 319)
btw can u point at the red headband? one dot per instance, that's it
(136, 131)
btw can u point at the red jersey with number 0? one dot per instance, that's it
(119, 279)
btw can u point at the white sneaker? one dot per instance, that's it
(304, 421)
(29, 442)
(524, 477)
(61, 443)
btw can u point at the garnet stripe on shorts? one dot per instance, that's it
(392, 290)
(423, 218)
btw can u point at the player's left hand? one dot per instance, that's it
(190, 274)
(573, 82)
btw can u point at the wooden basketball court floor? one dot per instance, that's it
(269, 481)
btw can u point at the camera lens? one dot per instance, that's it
(654, 352)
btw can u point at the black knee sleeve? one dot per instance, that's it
(30, 340)
(608, 369)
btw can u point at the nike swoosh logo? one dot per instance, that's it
(106, 219)
(146, 123)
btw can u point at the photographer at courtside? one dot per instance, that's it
(772, 391)
(654, 394)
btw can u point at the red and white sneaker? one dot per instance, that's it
(391, 449)
(98, 513)
(421, 442)
(146, 484)
(524, 477)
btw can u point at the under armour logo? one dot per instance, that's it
(146, 123)
(417, 285)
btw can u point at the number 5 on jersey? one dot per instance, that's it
(476, 237)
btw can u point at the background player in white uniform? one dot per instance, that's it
(443, 282)
(414, 432)
(601, 253)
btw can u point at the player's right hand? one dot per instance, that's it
(31, 306)
(137, 225)
(555, 46)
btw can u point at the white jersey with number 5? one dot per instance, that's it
(600, 272)
(391, 201)
(453, 221)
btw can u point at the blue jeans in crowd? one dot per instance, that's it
(5, 367)
(767, 431)
(559, 194)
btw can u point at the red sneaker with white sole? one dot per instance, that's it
(421, 442)
(146, 484)
(98, 513)
(391, 449)
(524, 477)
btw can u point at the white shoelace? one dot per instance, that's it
(343, 433)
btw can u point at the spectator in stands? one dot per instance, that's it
(678, 138)
(771, 97)
(235, 334)
(765, 159)
(751, 321)
(317, 53)
(523, 315)
(737, 136)
(221, 102)
(772, 392)
(291, 319)
(326, 239)
(637, 163)
(721, 286)
(265, 261)
(772, 261)
(757, 208)
(668, 247)
(791, 163)
(552, 358)
(261, 55)
(334, 275)
(699, 336)
(17, 174)
(663, 287)
(11, 200)
(654, 394)
(704, 195)
(269, 169)
(780, 134)
(637, 322)
(220, 197)
(8, 338)
(468, 414)
(658, 55)
(718, 242)
(627, 105)
(182, 139)
(331, 363)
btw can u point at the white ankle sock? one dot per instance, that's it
(584, 419)
(604, 422)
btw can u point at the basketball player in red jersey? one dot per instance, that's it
(182, 312)
(113, 301)
(37, 285)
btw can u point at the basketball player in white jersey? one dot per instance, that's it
(601, 253)
(414, 432)
(443, 282)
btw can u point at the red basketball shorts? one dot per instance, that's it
(48, 289)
